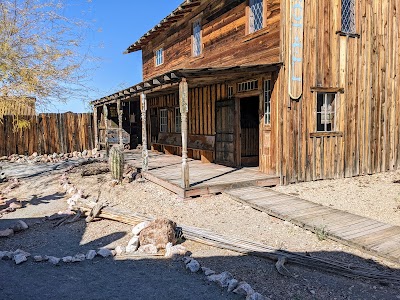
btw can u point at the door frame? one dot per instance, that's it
(237, 129)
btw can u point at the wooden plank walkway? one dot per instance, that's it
(377, 238)
(205, 178)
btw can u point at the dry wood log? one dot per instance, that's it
(207, 237)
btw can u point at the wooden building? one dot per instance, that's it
(304, 89)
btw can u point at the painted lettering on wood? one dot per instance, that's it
(296, 49)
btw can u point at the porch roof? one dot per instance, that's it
(194, 77)
(178, 14)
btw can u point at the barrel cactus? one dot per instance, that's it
(116, 160)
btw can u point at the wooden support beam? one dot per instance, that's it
(105, 112)
(119, 111)
(184, 108)
(95, 127)
(145, 152)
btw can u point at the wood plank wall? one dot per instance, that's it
(368, 138)
(47, 133)
(224, 39)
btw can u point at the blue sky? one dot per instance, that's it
(117, 24)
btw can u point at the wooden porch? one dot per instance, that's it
(204, 178)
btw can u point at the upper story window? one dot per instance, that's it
(349, 16)
(196, 45)
(326, 112)
(256, 15)
(159, 57)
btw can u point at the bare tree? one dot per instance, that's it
(41, 52)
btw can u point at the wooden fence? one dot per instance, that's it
(46, 133)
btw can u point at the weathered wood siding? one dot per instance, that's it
(368, 137)
(224, 39)
(47, 133)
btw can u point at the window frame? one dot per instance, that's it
(267, 93)
(156, 58)
(319, 114)
(163, 126)
(200, 42)
(178, 120)
(248, 16)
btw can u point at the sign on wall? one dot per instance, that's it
(296, 49)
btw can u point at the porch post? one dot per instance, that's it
(105, 112)
(145, 152)
(95, 128)
(119, 111)
(183, 102)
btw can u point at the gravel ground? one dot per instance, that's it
(374, 196)
(219, 213)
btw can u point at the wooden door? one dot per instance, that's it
(249, 131)
(267, 162)
(225, 132)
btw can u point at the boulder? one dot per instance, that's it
(244, 289)
(38, 258)
(67, 259)
(148, 249)
(174, 250)
(91, 254)
(233, 283)
(53, 260)
(79, 257)
(160, 232)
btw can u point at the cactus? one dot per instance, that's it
(116, 161)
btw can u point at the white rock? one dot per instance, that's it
(6, 255)
(193, 266)
(256, 296)
(119, 250)
(148, 249)
(19, 258)
(20, 226)
(174, 250)
(67, 259)
(19, 251)
(94, 151)
(139, 227)
(38, 258)
(84, 153)
(233, 283)
(6, 232)
(133, 244)
(104, 252)
(91, 254)
(207, 271)
(53, 260)
(187, 259)
(222, 279)
(79, 257)
(244, 289)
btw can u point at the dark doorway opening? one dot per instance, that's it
(249, 131)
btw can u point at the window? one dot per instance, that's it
(159, 57)
(326, 112)
(247, 86)
(348, 16)
(230, 92)
(197, 38)
(267, 102)
(163, 120)
(256, 15)
(178, 120)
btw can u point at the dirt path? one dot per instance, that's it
(165, 279)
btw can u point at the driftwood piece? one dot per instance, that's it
(252, 248)
(94, 212)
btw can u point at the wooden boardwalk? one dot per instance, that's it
(377, 238)
(205, 178)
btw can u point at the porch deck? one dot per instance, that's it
(165, 170)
